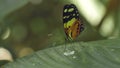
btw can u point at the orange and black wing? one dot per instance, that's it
(73, 25)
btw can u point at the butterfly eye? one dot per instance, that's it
(81, 27)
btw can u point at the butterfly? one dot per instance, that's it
(73, 25)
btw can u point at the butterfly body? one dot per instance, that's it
(73, 25)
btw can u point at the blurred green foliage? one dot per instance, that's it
(38, 23)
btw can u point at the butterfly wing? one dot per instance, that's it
(72, 22)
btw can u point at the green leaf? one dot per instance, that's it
(96, 54)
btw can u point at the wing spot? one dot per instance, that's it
(74, 14)
(65, 10)
(71, 9)
(64, 17)
(67, 16)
